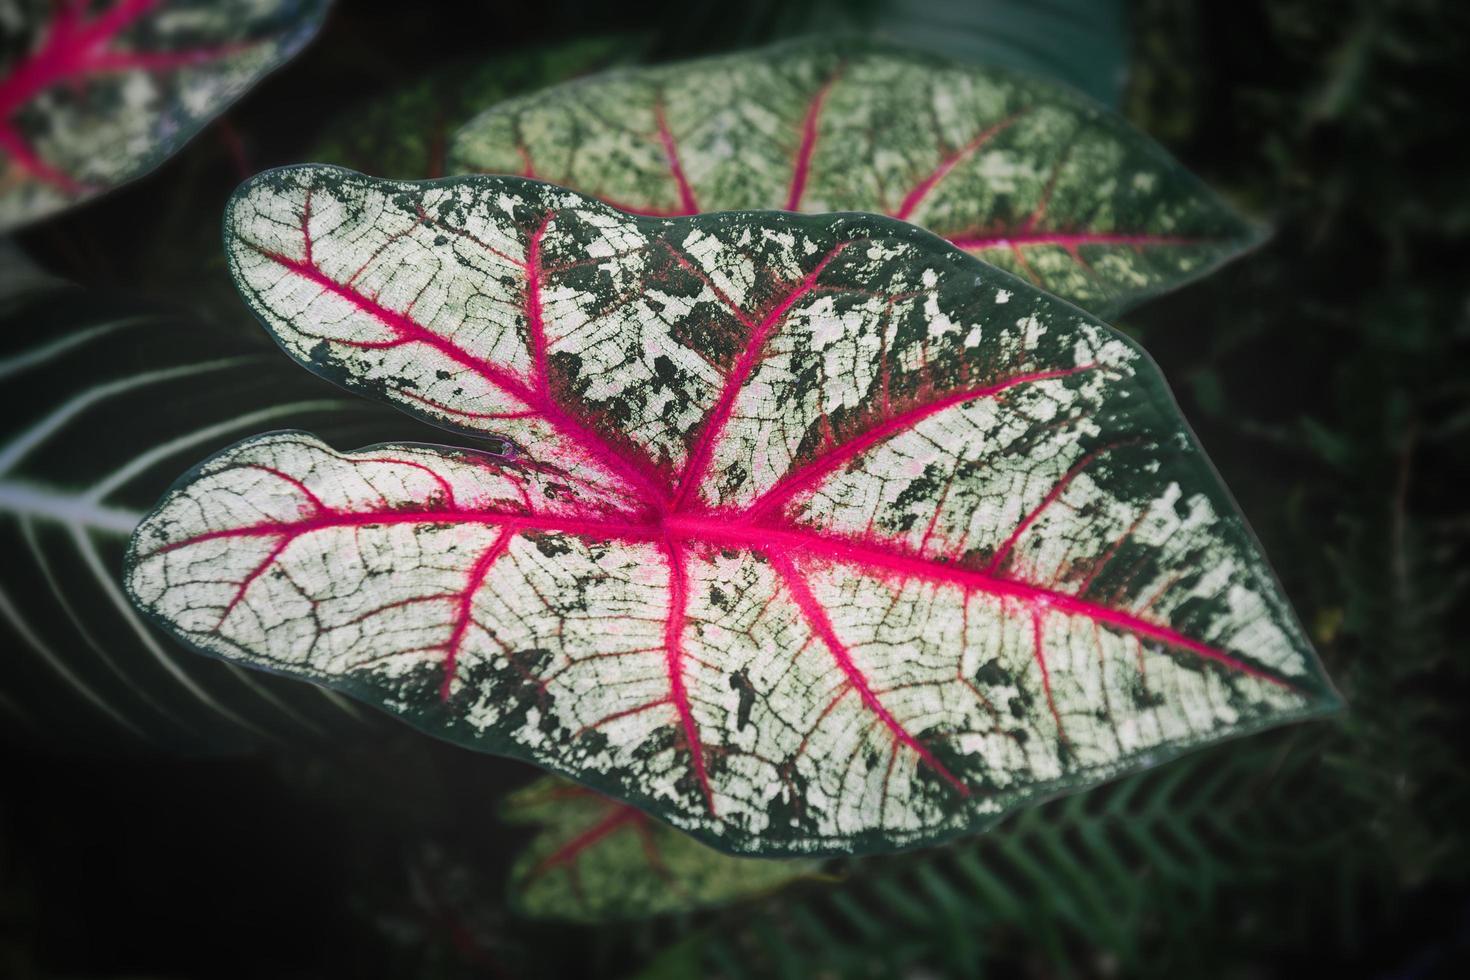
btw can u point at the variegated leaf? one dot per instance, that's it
(822, 536)
(106, 400)
(96, 92)
(595, 860)
(1018, 171)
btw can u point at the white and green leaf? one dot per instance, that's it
(818, 536)
(93, 94)
(1019, 171)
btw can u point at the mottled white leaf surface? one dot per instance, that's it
(819, 536)
(1020, 171)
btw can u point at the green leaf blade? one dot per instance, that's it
(1019, 171)
(90, 99)
(596, 860)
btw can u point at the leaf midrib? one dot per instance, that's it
(759, 538)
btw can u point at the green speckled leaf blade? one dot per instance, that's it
(594, 859)
(819, 536)
(95, 94)
(1020, 171)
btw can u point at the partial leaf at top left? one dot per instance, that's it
(94, 94)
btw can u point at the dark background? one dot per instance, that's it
(1327, 373)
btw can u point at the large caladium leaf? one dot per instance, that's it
(1019, 171)
(96, 92)
(595, 859)
(820, 536)
(106, 400)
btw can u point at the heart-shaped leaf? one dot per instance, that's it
(145, 392)
(823, 536)
(596, 860)
(1021, 172)
(95, 94)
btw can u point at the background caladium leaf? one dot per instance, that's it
(93, 94)
(146, 392)
(1021, 172)
(821, 536)
(406, 133)
(595, 859)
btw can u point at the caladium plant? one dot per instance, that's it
(595, 860)
(93, 94)
(818, 535)
(1019, 171)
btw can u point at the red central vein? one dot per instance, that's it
(407, 330)
(464, 614)
(817, 469)
(847, 552)
(68, 48)
(674, 625)
(671, 153)
(590, 528)
(802, 166)
(713, 529)
(816, 617)
(703, 451)
(919, 191)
